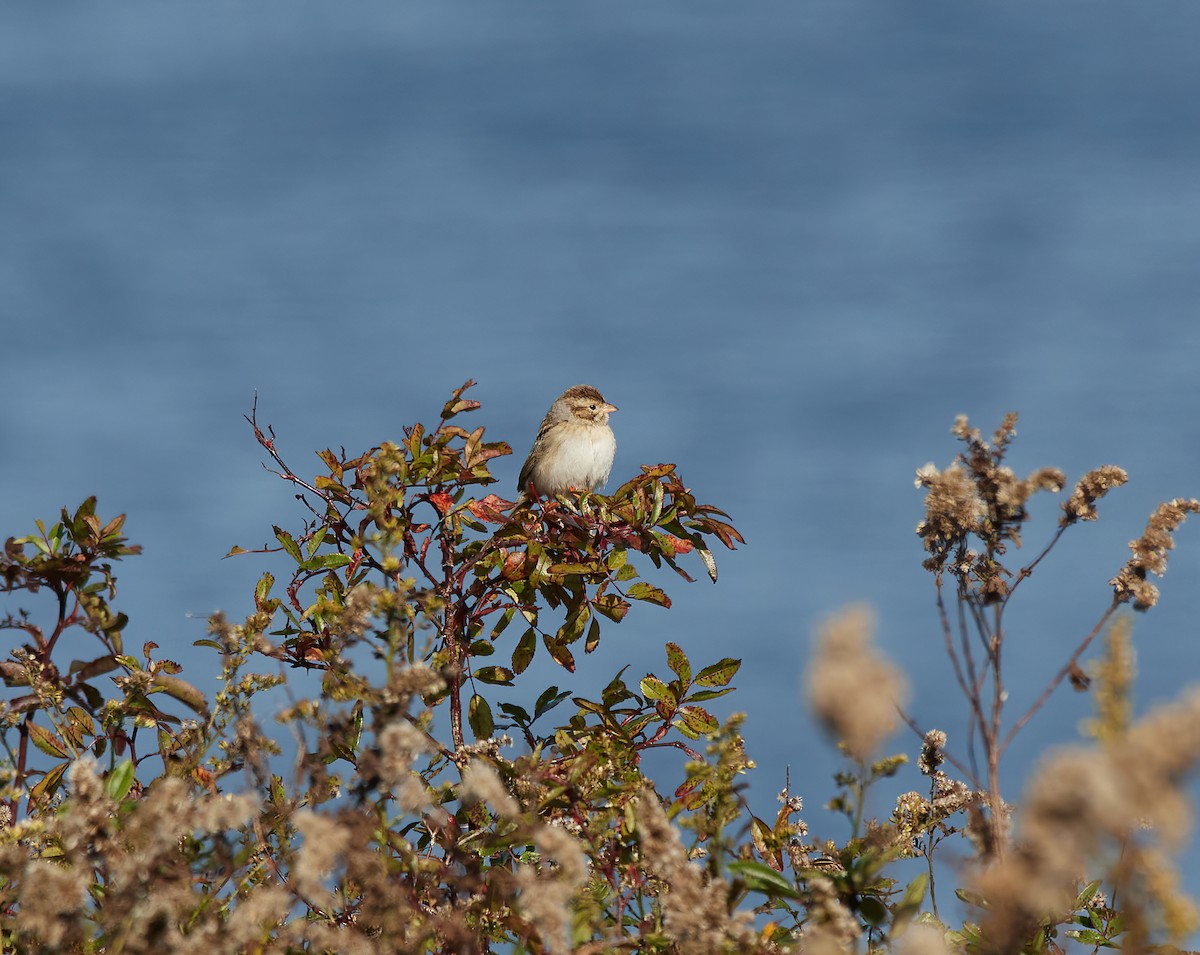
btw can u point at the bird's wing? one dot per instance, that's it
(538, 444)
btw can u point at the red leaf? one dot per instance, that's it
(489, 509)
(681, 545)
(442, 501)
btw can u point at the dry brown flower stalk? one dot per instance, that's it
(695, 910)
(852, 690)
(1150, 553)
(1126, 794)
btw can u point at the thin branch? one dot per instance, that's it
(1027, 571)
(1061, 675)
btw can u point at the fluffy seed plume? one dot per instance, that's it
(851, 689)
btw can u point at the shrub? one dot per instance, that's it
(141, 816)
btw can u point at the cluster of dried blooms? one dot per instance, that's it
(978, 499)
(1150, 553)
(1081, 505)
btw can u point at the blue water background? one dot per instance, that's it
(790, 241)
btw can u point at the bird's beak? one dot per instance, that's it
(608, 409)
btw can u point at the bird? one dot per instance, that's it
(573, 449)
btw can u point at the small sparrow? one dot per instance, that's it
(574, 447)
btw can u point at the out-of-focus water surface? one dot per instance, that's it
(791, 241)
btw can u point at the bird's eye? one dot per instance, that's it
(593, 407)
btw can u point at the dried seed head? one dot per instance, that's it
(933, 752)
(1081, 505)
(1150, 553)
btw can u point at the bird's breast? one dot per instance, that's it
(582, 458)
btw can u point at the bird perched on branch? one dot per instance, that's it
(573, 449)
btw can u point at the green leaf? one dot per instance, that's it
(627, 572)
(47, 742)
(719, 673)
(698, 719)
(972, 898)
(119, 781)
(79, 725)
(872, 910)
(762, 878)
(563, 570)
(612, 606)
(524, 651)
(572, 628)
(654, 689)
(638, 723)
(701, 695)
(591, 707)
(518, 713)
(182, 691)
(327, 562)
(48, 784)
(759, 833)
(593, 637)
(262, 589)
(503, 622)
(1086, 896)
(549, 699)
(354, 737)
(914, 893)
(479, 715)
(501, 676)
(289, 544)
(656, 512)
(678, 662)
(104, 664)
(616, 691)
(649, 593)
